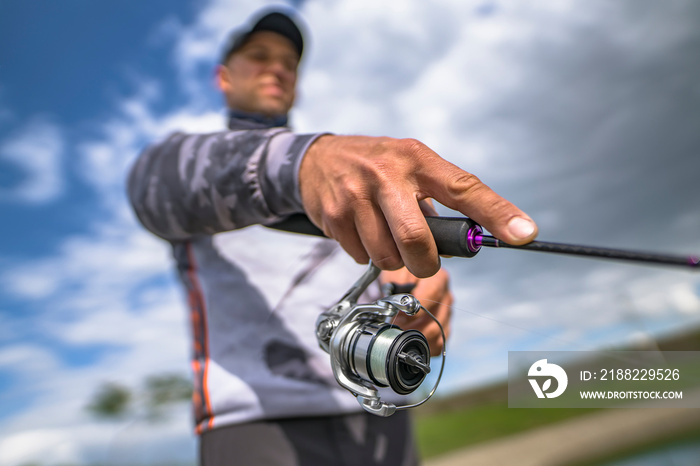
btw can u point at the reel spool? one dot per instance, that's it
(389, 357)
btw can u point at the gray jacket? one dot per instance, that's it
(253, 293)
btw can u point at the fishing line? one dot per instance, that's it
(507, 324)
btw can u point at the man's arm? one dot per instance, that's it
(208, 183)
(365, 193)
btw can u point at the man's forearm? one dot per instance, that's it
(205, 184)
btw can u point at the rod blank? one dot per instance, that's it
(590, 251)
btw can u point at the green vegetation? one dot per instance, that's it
(442, 432)
(164, 390)
(111, 401)
(114, 401)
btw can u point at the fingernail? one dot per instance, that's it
(520, 228)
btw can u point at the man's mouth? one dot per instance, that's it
(273, 89)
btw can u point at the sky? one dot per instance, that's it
(585, 114)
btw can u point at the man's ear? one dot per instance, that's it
(223, 80)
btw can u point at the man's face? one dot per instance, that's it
(261, 76)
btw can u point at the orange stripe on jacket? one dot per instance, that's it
(197, 302)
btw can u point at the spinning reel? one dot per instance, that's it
(367, 351)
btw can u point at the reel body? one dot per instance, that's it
(367, 351)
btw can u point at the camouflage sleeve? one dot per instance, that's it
(208, 183)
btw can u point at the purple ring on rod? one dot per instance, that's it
(474, 238)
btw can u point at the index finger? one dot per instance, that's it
(464, 192)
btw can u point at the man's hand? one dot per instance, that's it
(434, 294)
(364, 192)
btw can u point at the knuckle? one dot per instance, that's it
(417, 153)
(351, 190)
(501, 207)
(335, 215)
(464, 183)
(413, 236)
(356, 189)
(412, 146)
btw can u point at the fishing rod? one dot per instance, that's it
(367, 351)
(463, 237)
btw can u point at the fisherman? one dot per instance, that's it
(264, 392)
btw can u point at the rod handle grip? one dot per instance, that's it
(455, 236)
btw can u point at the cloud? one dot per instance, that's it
(52, 444)
(586, 115)
(113, 300)
(135, 442)
(36, 149)
(26, 359)
(105, 160)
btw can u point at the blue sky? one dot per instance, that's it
(585, 114)
(63, 66)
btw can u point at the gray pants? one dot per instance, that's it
(350, 440)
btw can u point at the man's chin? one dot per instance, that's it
(275, 109)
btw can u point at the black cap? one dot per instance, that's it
(274, 21)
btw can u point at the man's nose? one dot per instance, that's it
(278, 67)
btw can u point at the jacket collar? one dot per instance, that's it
(244, 120)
